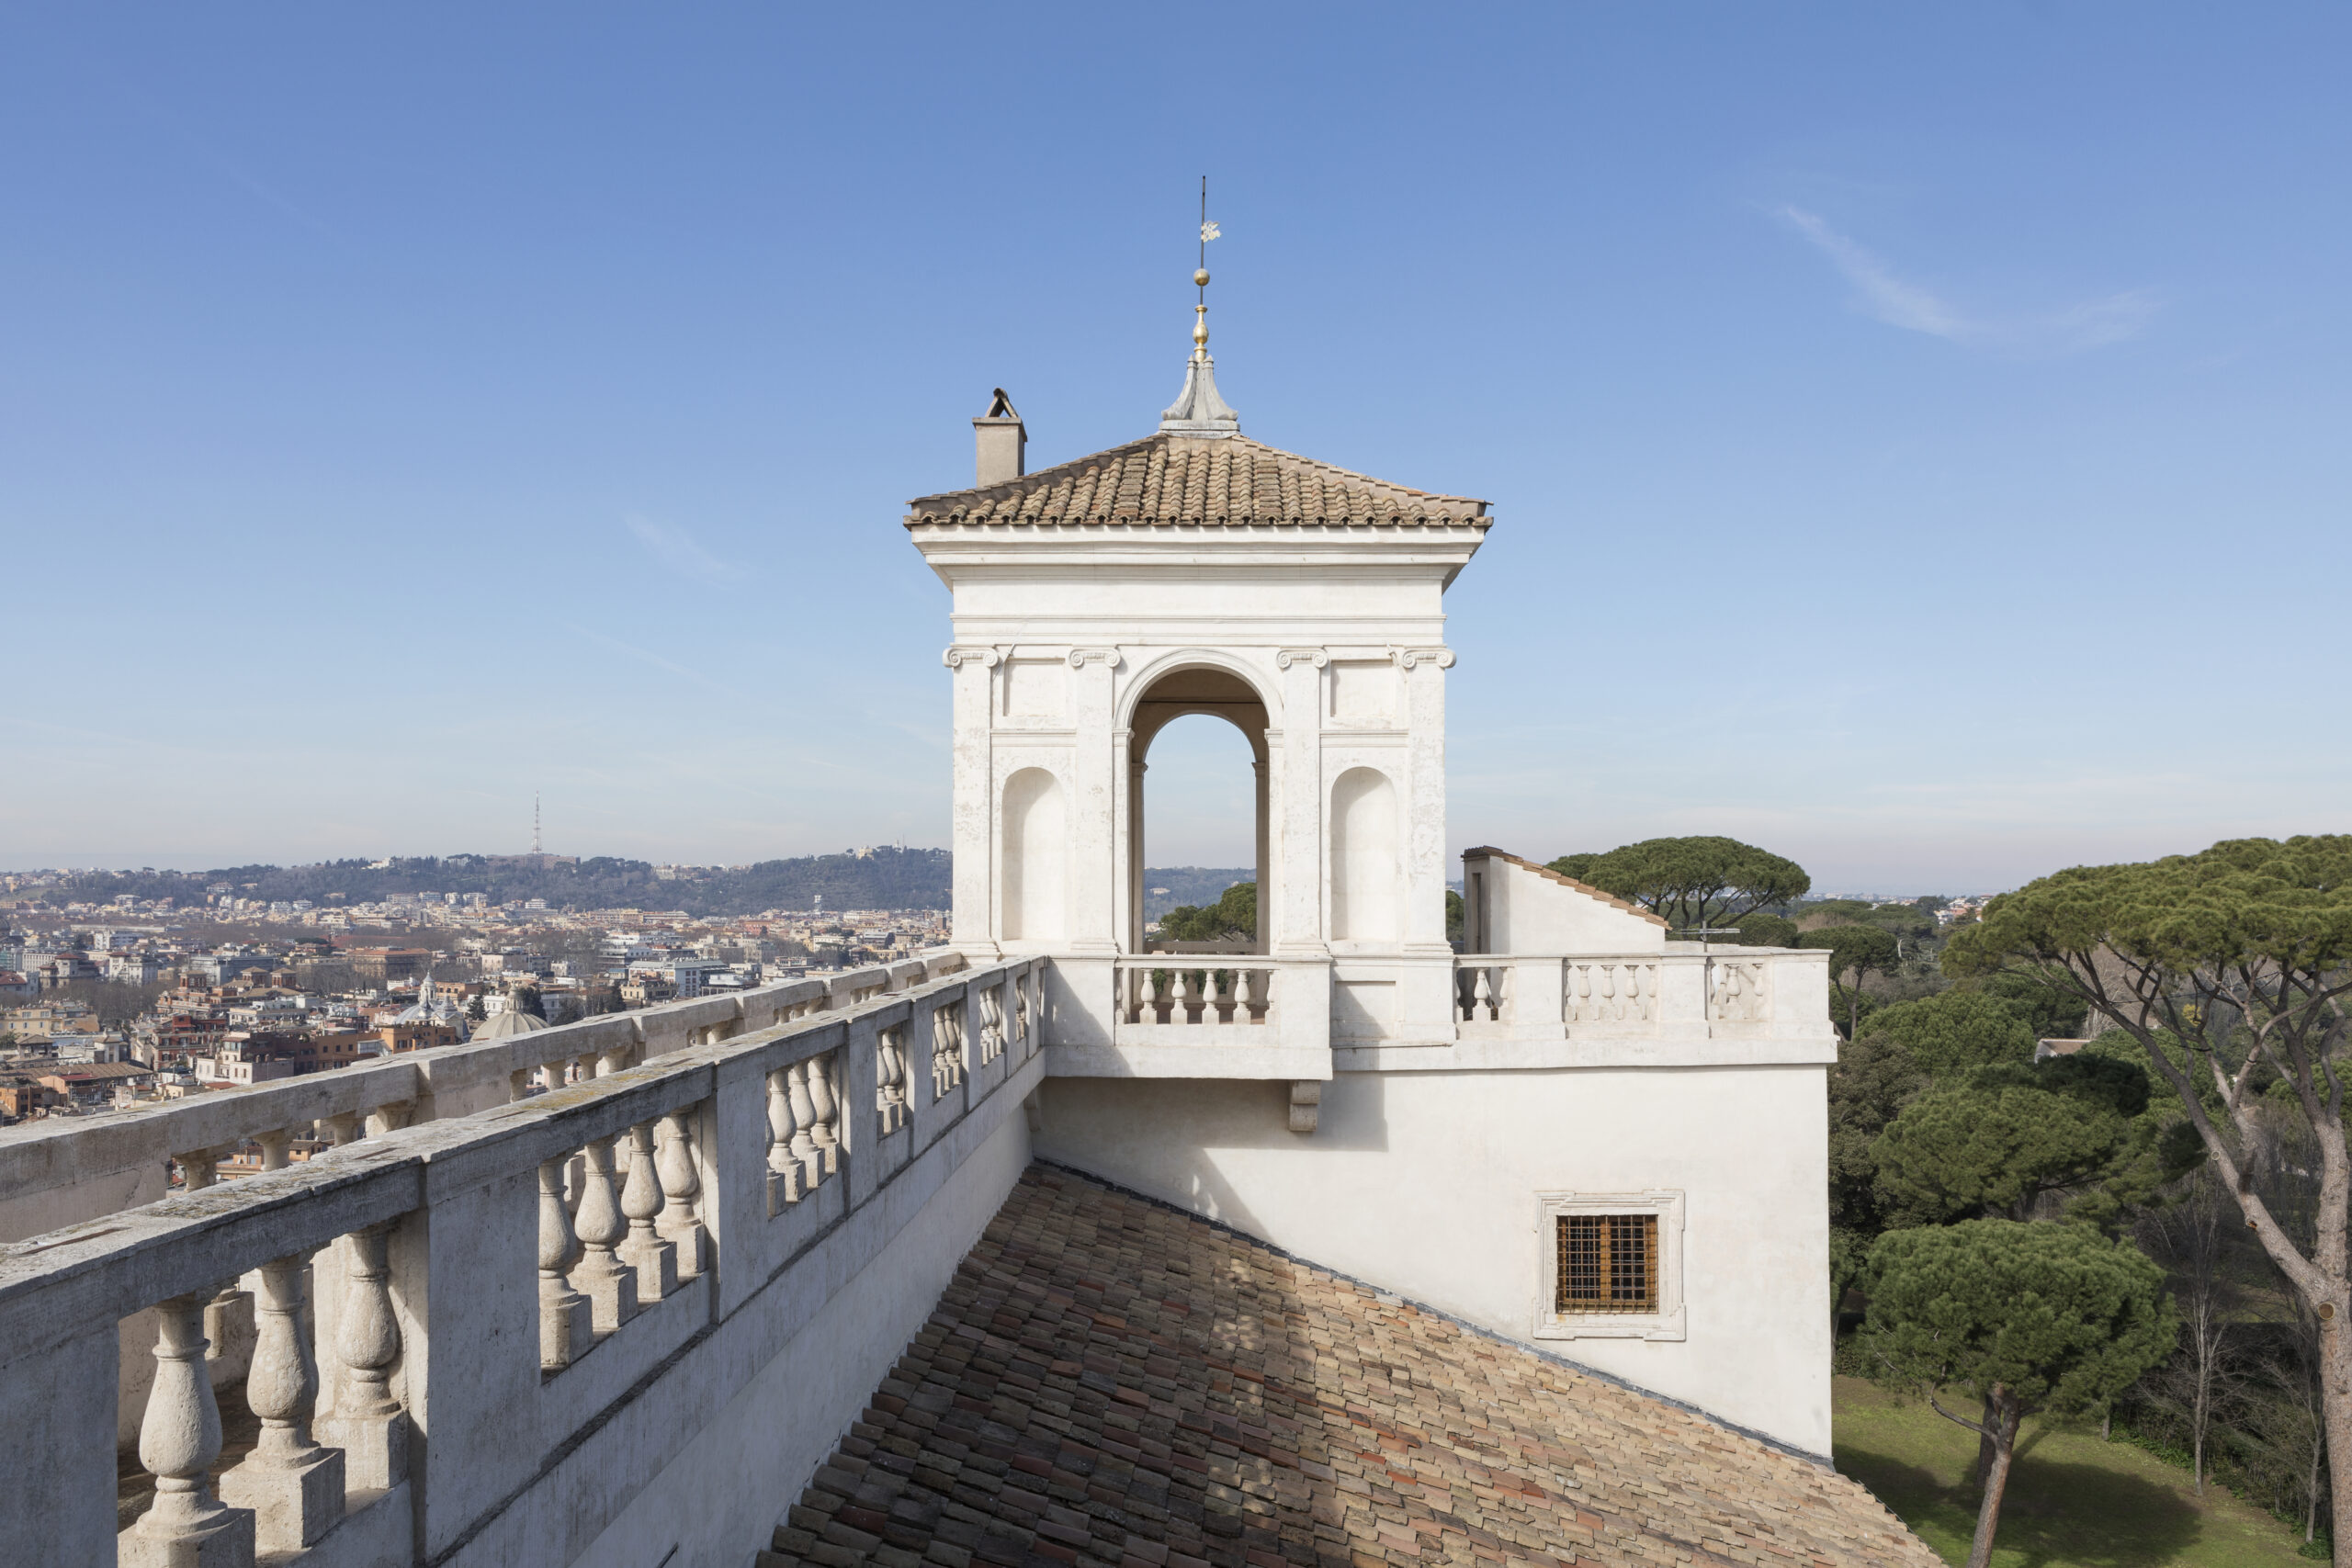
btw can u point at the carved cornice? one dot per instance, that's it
(968, 653)
(1286, 657)
(1441, 656)
(1079, 657)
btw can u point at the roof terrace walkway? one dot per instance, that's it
(1109, 1383)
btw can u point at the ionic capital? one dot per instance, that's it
(1286, 657)
(966, 653)
(1441, 656)
(1079, 657)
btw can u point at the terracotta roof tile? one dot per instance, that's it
(1169, 478)
(1109, 1383)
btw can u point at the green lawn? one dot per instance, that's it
(2074, 1501)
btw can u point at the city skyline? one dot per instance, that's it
(1892, 423)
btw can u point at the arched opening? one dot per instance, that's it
(1200, 735)
(1364, 857)
(1035, 856)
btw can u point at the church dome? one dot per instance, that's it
(513, 1020)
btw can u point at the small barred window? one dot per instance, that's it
(1606, 1263)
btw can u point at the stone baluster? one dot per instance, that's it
(1482, 994)
(293, 1486)
(804, 1148)
(655, 1260)
(890, 1080)
(368, 1423)
(610, 1288)
(229, 1310)
(681, 1220)
(825, 1105)
(566, 1320)
(389, 1118)
(518, 1085)
(787, 1173)
(1188, 991)
(179, 1439)
(342, 1128)
(946, 1050)
(275, 1148)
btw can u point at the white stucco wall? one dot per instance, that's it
(1426, 1184)
(1516, 909)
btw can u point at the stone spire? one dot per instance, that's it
(1198, 410)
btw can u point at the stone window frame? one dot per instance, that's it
(1669, 1322)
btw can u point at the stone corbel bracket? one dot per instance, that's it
(1305, 1104)
(965, 653)
(1441, 656)
(1286, 657)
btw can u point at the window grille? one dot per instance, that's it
(1606, 1263)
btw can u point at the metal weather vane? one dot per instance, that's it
(1201, 273)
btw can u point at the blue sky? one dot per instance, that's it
(1919, 433)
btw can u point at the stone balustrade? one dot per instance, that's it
(658, 1173)
(61, 1169)
(1682, 993)
(1151, 990)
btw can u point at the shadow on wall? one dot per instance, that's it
(1161, 1136)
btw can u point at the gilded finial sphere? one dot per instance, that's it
(1201, 277)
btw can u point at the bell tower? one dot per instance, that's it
(1199, 571)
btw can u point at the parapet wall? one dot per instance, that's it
(611, 1321)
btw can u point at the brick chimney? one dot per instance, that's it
(998, 439)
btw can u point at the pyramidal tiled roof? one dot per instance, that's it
(1172, 479)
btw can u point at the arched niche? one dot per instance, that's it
(1365, 862)
(1167, 696)
(1035, 874)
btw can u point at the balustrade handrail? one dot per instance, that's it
(598, 1107)
(643, 1240)
(45, 1155)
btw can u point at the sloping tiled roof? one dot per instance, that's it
(1174, 479)
(1110, 1384)
(1491, 852)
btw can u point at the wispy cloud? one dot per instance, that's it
(1884, 295)
(676, 549)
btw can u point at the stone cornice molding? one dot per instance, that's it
(1441, 656)
(1286, 657)
(966, 653)
(1079, 657)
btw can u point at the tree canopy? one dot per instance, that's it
(1994, 1142)
(1234, 916)
(1951, 1032)
(2058, 1317)
(1857, 951)
(1693, 882)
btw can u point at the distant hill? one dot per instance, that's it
(879, 879)
(882, 878)
(1188, 885)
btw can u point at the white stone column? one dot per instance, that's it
(972, 805)
(1131, 842)
(1424, 923)
(1092, 925)
(1265, 827)
(1297, 928)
